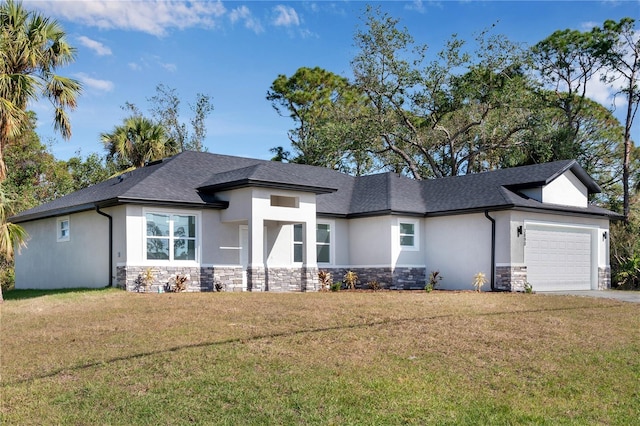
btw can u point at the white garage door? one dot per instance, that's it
(558, 258)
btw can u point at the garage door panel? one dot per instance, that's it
(558, 258)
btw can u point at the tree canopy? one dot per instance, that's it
(32, 48)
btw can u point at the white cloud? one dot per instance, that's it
(416, 5)
(169, 67)
(134, 66)
(150, 16)
(420, 7)
(94, 83)
(243, 14)
(587, 26)
(99, 48)
(285, 16)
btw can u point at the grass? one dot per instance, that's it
(111, 357)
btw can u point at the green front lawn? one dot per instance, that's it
(111, 357)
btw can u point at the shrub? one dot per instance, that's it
(351, 279)
(180, 283)
(479, 280)
(627, 275)
(625, 250)
(374, 285)
(434, 278)
(335, 286)
(528, 288)
(145, 280)
(7, 275)
(325, 280)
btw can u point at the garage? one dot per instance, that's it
(559, 257)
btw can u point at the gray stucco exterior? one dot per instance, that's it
(259, 226)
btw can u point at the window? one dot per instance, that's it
(171, 236)
(298, 243)
(62, 229)
(407, 234)
(323, 242)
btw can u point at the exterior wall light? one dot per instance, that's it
(519, 231)
(604, 235)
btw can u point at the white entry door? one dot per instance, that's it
(559, 258)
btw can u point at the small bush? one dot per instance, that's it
(145, 280)
(350, 280)
(627, 275)
(528, 288)
(479, 280)
(180, 283)
(7, 278)
(218, 287)
(434, 278)
(335, 286)
(325, 280)
(374, 285)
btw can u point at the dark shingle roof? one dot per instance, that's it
(193, 178)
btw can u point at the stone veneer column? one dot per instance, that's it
(604, 278)
(256, 278)
(511, 278)
(310, 281)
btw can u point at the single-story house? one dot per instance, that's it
(246, 224)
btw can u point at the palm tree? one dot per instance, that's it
(137, 141)
(11, 235)
(32, 47)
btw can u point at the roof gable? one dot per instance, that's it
(265, 174)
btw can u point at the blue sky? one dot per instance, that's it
(233, 51)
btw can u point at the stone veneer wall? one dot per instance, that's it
(229, 278)
(291, 279)
(604, 278)
(393, 279)
(510, 278)
(200, 279)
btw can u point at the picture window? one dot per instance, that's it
(171, 236)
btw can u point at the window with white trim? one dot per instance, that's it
(170, 236)
(298, 243)
(408, 234)
(63, 229)
(323, 242)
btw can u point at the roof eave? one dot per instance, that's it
(22, 218)
(114, 202)
(469, 210)
(571, 212)
(246, 183)
(218, 204)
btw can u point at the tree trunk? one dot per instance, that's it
(627, 150)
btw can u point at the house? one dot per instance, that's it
(255, 225)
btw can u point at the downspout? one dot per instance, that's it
(110, 243)
(493, 249)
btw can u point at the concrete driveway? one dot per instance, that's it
(623, 296)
